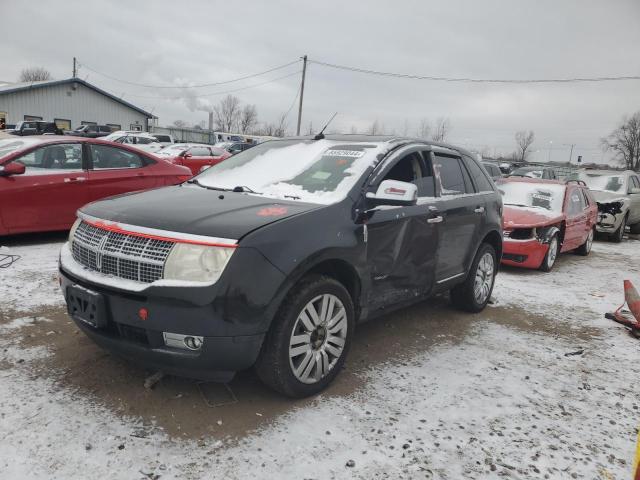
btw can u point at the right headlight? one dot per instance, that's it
(197, 263)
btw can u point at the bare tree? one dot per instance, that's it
(524, 140)
(180, 124)
(423, 129)
(281, 126)
(624, 141)
(227, 113)
(248, 118)
(34, 74)
(354, 129)
(405, 128)
(442, 129)
(375, 129)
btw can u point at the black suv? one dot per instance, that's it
(273, 256)
(35, 127)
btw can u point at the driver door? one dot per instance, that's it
(402, 242)
(50, 191)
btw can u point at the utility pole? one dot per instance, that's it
(75, 69)
(571, 153)
(304, 71)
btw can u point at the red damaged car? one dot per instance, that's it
(45, 179)
(197, 157)
(543, 218)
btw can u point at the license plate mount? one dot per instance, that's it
(86, 306)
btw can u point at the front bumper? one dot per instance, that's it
(232, 316)
(524, 253)
(608, 223)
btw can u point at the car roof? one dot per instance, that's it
(533, 180)
(391, 140)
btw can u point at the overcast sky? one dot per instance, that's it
(195, 42)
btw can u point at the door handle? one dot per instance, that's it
(437, 219)
(74, 179)
(479, 210)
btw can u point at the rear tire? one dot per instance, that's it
(585, 248)
(309, 339)
(552, 254)
(474, 293)
(618, 235)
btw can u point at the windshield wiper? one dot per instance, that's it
(242, 188)
(292, 197)
(196, 182)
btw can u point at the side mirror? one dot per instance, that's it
(394, 192)
(634, 190)
(13, 168)
(187, 155)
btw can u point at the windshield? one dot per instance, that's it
(173, 150)
(320, 171)
(533, 195)
(8, 146)
(599, 181)
(162, 138)
(528, 172)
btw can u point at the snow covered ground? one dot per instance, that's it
(500, 398)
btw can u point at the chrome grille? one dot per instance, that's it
(121, 255)
(506, 233)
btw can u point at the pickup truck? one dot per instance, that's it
(36, 127)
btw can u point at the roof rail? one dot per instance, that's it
(578, 182)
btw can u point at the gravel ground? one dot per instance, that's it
(539, 385)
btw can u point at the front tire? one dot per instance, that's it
(474, 293)
(635, 229)
(617, 236)
(552, 253)
(309, 339)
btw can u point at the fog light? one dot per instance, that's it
(193, 343)
(185, 342)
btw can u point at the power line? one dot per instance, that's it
(180, 97)
(189, 86)
(474, 80)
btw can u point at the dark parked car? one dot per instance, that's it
(272, 257)
(238, 147)
(92, 131)
(36, 127)
(535, 171)
(493, 170)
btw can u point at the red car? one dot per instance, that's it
(543, 218)
(195, 156)
(45, 179)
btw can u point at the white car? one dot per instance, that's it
(141, 140)
(163, 138)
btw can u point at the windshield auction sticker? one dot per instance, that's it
(344, 153)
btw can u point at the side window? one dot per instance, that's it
(105, 157)
(200, 152)
(576, 202)
(635, 182)
(479, 178)
(143, 140)
(454, 178)
(410, 168)
(53, 157)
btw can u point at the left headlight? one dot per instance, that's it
(72, 232)
(197, 263)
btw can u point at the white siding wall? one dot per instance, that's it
(62, 101)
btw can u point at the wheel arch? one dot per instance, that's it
(494, 239)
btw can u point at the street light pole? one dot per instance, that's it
(550, 146)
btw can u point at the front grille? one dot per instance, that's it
(121, 255)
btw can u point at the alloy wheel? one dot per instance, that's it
(318, 338)
(484, 278)
(552, 254)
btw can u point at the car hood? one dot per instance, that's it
(514, 217)
(196, 210)
(603, 196)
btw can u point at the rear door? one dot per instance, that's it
(461, 209)
(50, 191)
(634, 210)
(576, 226)
(402, 242)
(114, 170)
(198, 157)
